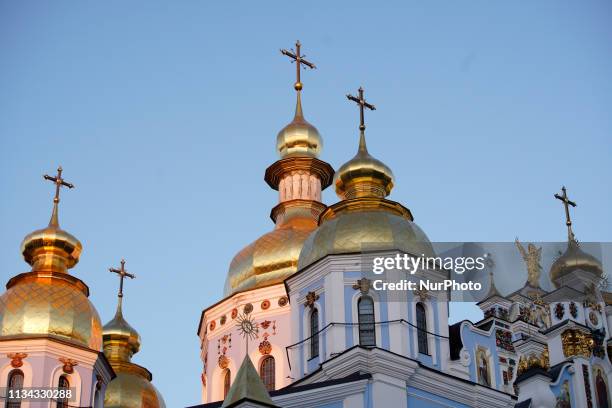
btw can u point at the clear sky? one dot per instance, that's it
(165, 114)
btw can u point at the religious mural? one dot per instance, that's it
(563, 399)
(602, 391)
(482, 367)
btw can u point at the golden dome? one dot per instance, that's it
(363, 175)
(299, 138)
(50, 304)
(361, 225)
(572, 260)
(132, 388)
(121, 341)
(48, 301)
(51, 248)
(274, 256)
(364, 220)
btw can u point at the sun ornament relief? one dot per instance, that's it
(247, 326)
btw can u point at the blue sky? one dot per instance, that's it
(165, 114)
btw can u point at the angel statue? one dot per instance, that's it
(531, 256)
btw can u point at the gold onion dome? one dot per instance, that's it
(574, 259)
(121, 341)
(363, 175)
(274, 256)
(48, 301)
(299, 138)
(364, 220)
(132, 387)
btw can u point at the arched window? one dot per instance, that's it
(421, 320)
(14, 383)
(63, 384)
(367, 331)
(227, 378)
(314, 333)
(266, 372)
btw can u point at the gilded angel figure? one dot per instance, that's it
(531, 256)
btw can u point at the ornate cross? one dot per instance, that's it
(566, 203)
(362, 104)
(59, 182)
(122, 274)
(298, 58)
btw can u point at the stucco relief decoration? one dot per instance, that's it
(500, 312)
(224, 343)
(593, 318)
(283, 301)
(234, 313)
(363, 285)
(422, 294)
(212, 325)
(573, 308)
(265, 347)
(68, 365)
(223, 362)
(503, 339)
(599, 337)
(576, 343)
(311, 298)
(203, 378)
(223, 320)
(248, 308)
(541, 313)
(16, 359)
(559, 311)
(265, 305)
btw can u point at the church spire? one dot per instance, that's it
(298, 138)
(52, 249)
(121, 341)
(568, 219)
(59, 183)
(363, 175)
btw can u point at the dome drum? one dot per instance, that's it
(309, 165)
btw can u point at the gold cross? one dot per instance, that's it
(298, 58)
(362, 104)
(566, 203)
(122, 274)
(59, 182)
